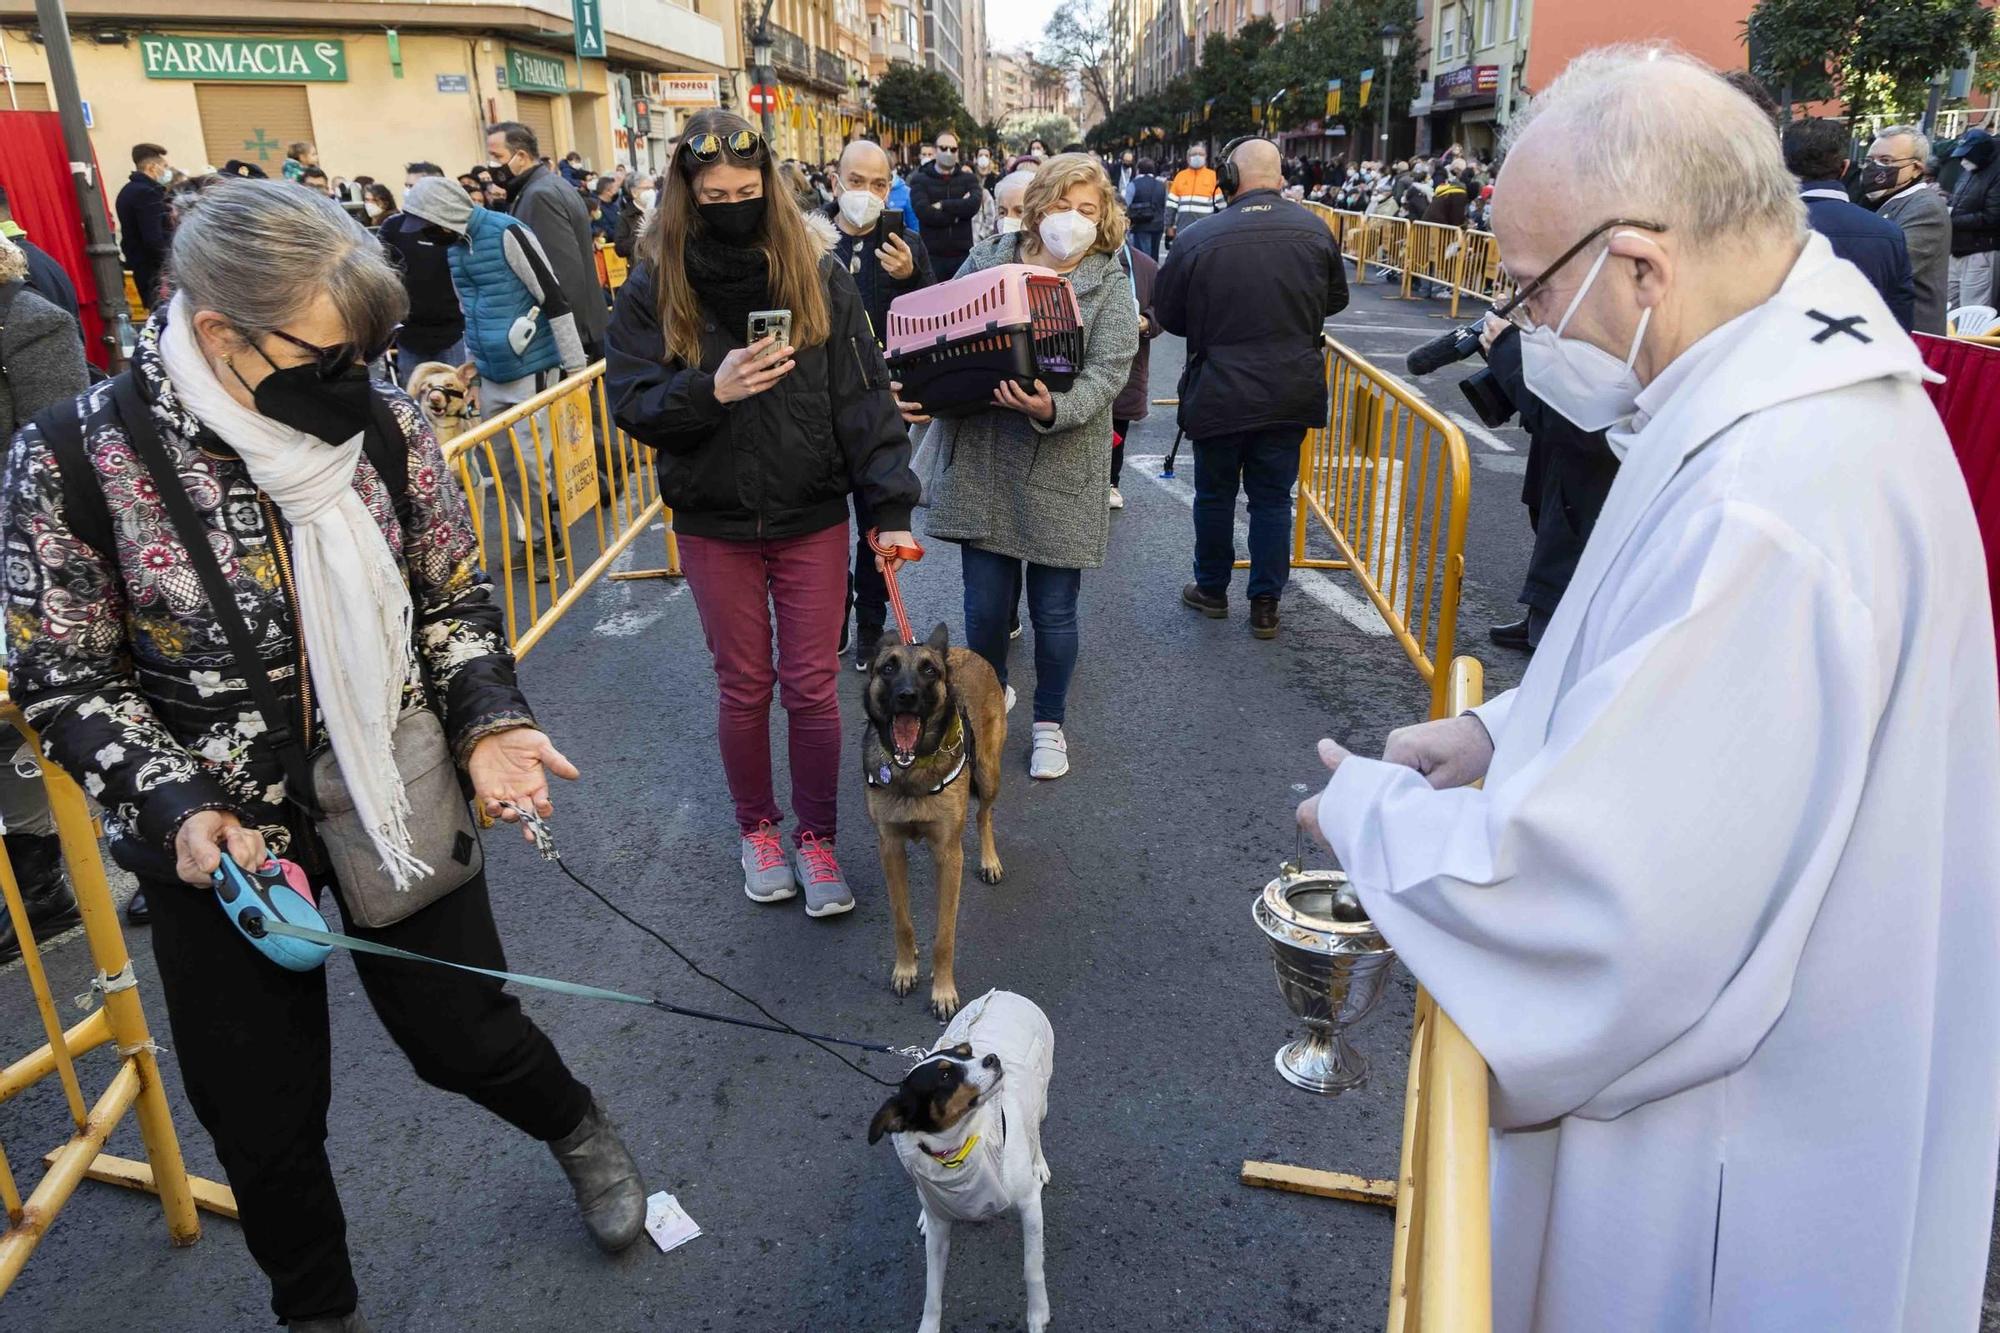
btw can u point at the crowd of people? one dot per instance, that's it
(1803, 672)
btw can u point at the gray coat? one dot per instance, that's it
(1925, 218)
(1011, 485)
(41, 360)
(556, 213)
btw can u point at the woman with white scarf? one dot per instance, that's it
(255, 378)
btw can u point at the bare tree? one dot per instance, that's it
(1077, 39)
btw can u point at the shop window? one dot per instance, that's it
(253, 122)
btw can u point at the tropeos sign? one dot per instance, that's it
(243, 59)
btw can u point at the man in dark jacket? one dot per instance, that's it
(945, 196)
(1146, 208)
(557, 216)
(1892, 182)
(886, 260)
(1975, 220)
(1251, 289)
(434, 330)
(143, 224)
(1816, 152)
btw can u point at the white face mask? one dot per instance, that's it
(1066, 235)
(985, 163)
(645, 198)
(1581, 380)
(1009, 224)
(375, 210)
(860, 208)
(1196, 161)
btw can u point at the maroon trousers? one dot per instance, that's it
(741, 588)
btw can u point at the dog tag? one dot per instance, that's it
(666, 1222)
(884, 775)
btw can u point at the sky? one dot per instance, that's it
(1012, 24)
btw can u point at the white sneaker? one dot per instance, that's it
(1010, 698)
(1117, 500)
(1051, 754)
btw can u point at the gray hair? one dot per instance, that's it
(1920, 141)
(257, 252)
(1014, 181)
(1663, 136)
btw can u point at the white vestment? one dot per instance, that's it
(1725, 920)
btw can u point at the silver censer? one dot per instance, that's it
(1333, 966)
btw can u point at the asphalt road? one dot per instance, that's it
(1125, 914)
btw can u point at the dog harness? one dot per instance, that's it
(954, 741)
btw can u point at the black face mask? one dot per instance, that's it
(733, 222)
(501, 173)
(1876, 179)
(334, 410)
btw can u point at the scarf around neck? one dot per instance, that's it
(730, 280)
(354, 605)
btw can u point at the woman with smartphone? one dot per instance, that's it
(740, 352)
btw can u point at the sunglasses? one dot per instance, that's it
(332, 362)
(743, 145)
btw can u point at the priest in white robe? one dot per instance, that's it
(1725, 919)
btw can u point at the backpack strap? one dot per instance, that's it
(61, 428)
(389, 451)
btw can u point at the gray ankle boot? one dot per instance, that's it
(337, 1323)
(606, 1180)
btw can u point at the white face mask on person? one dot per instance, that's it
(860, 208)
(1066, 235)
(1196, 161)
(1581, 380)
(1009, 225)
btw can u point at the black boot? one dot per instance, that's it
(606, 1180)
(867, 638)
(1214, 605)
(1514, 635)
(138, 911)
(1264, 617)
(38, 869)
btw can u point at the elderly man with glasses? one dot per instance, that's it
(1892, 180)
(1724, 919)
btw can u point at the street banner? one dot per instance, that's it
(1367, 84)
(1333, 97)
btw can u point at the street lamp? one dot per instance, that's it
(760, 57)
(1392, 42)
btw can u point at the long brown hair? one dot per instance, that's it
(787, 245)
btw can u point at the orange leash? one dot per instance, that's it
(909, 553)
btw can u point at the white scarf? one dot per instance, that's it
(354, 607)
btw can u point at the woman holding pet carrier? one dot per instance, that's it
(1020, 486)
(758, 442)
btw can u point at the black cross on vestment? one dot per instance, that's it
(1834, 326)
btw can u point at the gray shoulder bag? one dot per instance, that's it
(442, 833)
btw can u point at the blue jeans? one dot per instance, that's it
(1149, 241)
(1265, 463)
(992, 590)
(408, 359)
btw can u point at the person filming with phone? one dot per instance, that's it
(740, 352)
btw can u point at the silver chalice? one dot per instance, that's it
(1333, 966)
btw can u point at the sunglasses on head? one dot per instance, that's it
(333, 362)
(743, 145)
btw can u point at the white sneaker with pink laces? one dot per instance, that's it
(767, 875)
(826, 888)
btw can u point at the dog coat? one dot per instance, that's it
(989, 1173)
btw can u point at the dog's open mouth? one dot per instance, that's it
(904, 730)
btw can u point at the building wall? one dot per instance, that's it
(1564, 29)
(976, 57)
(944, 39)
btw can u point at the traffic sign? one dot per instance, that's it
(763, 97)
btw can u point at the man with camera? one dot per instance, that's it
(1251, 289)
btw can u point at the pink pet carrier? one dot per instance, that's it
(950, 345)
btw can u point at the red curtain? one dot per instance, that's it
(1969, 403)
(34, 168)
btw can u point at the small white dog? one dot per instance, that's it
(968, 1127)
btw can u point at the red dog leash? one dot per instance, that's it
(909, 553)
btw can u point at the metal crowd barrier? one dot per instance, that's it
(1389, 479)
(1441, 1264)
(583, 466)
(612, 269)
(120, 1022)
(1432, 253)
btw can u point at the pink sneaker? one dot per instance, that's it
(827, 893)
(767, 875)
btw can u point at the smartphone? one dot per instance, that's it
(777, 323)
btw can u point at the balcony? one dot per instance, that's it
(830, 68)
(796, 60)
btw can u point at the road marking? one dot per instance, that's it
(626, 620)
(1356, 611)
(1480, 433)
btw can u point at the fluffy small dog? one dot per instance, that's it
(936, 726)
(967, 1124)
(446, 396)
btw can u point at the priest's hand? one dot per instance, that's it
(1331, 753)
(1451, 752)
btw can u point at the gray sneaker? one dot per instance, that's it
(827, 893)
(767, 875)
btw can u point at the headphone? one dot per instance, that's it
(1226, 178)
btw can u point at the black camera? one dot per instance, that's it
(1483, 390)
(1488, 397)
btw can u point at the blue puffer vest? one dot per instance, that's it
(493, 297)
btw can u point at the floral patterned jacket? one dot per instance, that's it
(117, 660)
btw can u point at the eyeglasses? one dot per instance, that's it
(331, 363)
(1515, 311)
(743, 145)
(1874, 161)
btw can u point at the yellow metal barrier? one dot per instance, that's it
(1385, 241)
(1441, 1265)
(121, 1023)
(611, 269)
(1431, 253)
(579, 470)
(1479, 273)
(1389, 480)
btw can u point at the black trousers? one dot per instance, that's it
(1120, 428)
(867, 590)
(254, 1052)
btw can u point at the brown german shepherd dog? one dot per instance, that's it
(936, 727)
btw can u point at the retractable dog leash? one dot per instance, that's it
(279, 920)
(912, 554)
